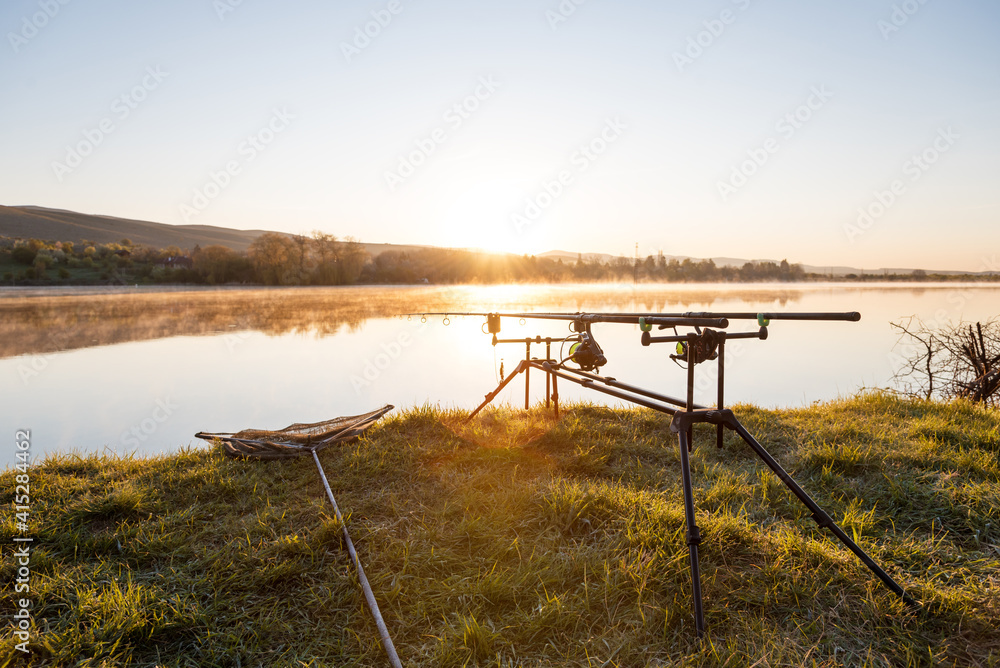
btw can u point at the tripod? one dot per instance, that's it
(694, 348)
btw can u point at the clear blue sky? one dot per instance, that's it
(674, 127)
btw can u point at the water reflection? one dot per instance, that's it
(37, 323)
(142, 371)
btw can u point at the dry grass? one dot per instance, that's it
(524, 541)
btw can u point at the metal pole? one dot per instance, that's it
(613, 382)
(819, 515)
(722, 376)
(605, 390)
(548, 356)
(555, 392)
(369, 596)
(693, 535)
(690, 386)
(521, 366)
(527, 362)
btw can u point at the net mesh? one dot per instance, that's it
(295, 439)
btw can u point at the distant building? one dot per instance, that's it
(176, 262)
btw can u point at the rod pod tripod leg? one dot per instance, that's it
(681, 425)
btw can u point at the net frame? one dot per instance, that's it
(295, 439)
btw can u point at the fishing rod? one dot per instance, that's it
(589, 356)
(704, 340)
(692, 318)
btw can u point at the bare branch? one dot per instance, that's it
(954, 361)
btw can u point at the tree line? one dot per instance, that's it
(322, 259)
(271, 259)
(438, 265)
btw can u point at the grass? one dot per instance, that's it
(524, 541)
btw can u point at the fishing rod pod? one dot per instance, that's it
(707, 342)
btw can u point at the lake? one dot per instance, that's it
(141, 370)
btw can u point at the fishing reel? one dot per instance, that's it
(705, 347)
(586, 353)
(700, 346)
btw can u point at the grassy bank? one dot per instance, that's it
(522, 541)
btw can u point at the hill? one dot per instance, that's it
(60, 225)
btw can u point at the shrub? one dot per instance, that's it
(24, 255)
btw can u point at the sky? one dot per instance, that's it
(831, 132)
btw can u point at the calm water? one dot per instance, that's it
(142, 371)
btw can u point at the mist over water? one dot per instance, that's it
(143, 370)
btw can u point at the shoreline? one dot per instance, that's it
(72, 290)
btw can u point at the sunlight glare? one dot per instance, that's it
(480, 218)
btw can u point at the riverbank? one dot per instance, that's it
(526, 541)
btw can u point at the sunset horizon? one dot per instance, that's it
(852, 134)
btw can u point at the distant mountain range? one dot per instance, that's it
(58, 225)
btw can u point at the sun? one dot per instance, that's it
(481, 215)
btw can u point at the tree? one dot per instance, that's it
(274, 259)
(301, 246)
(353, 259)
(168, 252)
(24, 254)
(216, 264)
(42, 263)
(327, 251)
